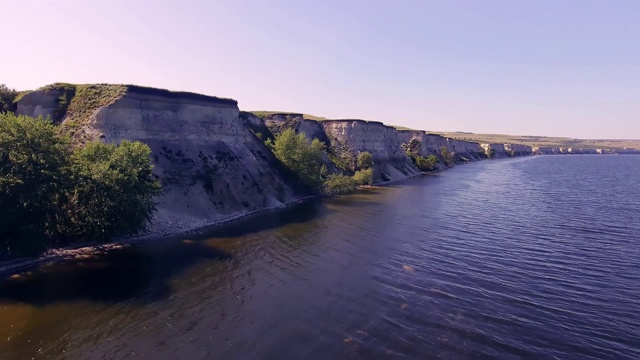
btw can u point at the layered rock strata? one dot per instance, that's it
(212, 167)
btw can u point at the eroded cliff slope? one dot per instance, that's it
(350, 137)
(424, 144)
(211, 166)
(345, 139)
(211, 158)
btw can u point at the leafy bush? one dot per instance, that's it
(426, 164)
(363, 177)
(33, 179)
(113, 190)
(300, 157)
(336, 184)
(7, 99)
(365, 160)
(49, 192)
(76, 104)
(341, 163)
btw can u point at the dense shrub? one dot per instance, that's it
(365, 160)
(50, 193)
(305, 160)
(7, 99)
(336, 184)
(33, 179)
(426, 164)
(302, 158)
(363, 177)
(113, 190)
(343, 163)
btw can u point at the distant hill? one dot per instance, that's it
(534, 140)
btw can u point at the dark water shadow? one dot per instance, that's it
(142, 272)
(300, 213)
(139, 273)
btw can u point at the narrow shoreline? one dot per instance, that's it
(17, 265)
(21, 264)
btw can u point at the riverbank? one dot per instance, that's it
(161, 231)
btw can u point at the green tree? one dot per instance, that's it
(426, 164)
(50, 193)
(7, 98)
(34, 175)
(363, 177)
(113, 191)
(448, 156)
(336, 184)
(365, 160)
(300, 157)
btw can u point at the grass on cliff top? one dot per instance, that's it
(20, 95)
(263, 114)
(401, 127)
(78, 102)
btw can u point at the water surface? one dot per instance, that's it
(527, 258)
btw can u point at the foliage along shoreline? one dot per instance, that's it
(54, 194)
(77, 190)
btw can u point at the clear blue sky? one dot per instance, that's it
(566, 68)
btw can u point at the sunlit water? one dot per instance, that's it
(527, 258)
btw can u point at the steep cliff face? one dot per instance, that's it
(211, 158)
(345, 139)
(211, 166)
(277, 122)
(40, 103)
(350, 137)
(495, 151)
(518, 149)
(498, 151)
(432, 144)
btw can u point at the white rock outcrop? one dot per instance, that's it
(211, 166)
(391, 163)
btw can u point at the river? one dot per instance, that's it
(535, 257)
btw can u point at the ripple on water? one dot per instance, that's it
(524, 258)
